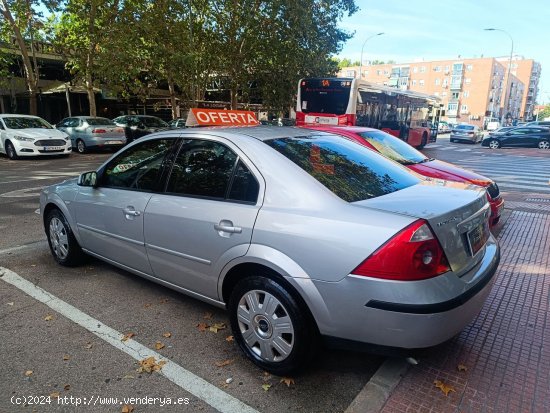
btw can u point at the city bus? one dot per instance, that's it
(410, 116)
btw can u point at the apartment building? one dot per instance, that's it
(471, 90)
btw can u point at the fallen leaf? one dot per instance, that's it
(147, 305)
(55, 395)
(462, 367)
(167, 335)
(149, 364)
(127, 336)
(33, 265)
(445, 388)
(202, 326)
(29, 373)
(49, 317)
(266, 386)
(128, 376)
(208, 315)
(88, 345)
(159, 345)
(10, 303)
(164, 300)
(127, 408)
(224, 363)
(229, 338)
(287, 380)
(217, 327)
(66, 357)
(67, 387)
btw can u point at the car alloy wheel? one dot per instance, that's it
(63, 244)
(494, 144)
(10, 151)
(544, 145)
(271, 324)
(81, 146)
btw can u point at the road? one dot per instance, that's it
(67, 357)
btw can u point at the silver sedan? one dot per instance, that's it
(89, 132)
(300, 234)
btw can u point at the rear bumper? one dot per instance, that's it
(102, 142)
(407, 314)
(497, 206)
(464, 138)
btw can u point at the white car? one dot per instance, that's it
(25, 135)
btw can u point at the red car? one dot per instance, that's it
(399, 151)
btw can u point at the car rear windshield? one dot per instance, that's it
(464, 127)
(26, 123)
(393, 148)
(99, 121)
(153, 122)
(351, 171)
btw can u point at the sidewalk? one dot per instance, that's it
(501, 361)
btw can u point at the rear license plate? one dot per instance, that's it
(53, 148)
(113, 143)
(477, 238)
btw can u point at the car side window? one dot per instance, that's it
(1, 125)
(244, 187)
(519, 131)
(138, 167)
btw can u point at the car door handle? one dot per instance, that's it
(224, 227)
(131, 212)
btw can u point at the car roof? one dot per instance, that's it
(15, 115)
(260, 132)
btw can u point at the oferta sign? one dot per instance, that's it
(216, 117)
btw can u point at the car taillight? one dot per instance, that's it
(412, 254)
(99, 131)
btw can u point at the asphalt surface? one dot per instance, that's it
(65, 357)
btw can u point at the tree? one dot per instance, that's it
(82, 33)
(544, 113)
(23, 22)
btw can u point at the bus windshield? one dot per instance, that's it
(324, 96)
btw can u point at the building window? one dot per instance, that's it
(436, 93)
(452, 106)
(415, 69)
(437, 68)
(350, 73)
(464, 108)
(466, 93)
(414, 82)
(421, 82)
(454, 95)
(467, 80)
(378, 72)
(422, 69)
(386, 72)
(447, 68)
(445, 82)
(469, 67)
(437, 81)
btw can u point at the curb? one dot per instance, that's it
(373, 396)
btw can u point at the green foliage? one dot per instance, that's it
(544, 113)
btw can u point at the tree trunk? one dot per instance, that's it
(173, 102)
(89, 60)
(91, 94)
(31, 74)
(233, 97)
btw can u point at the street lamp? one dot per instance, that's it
(361, 62)
(492, 29)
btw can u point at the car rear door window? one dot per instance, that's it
(139, 167)
(349, 170)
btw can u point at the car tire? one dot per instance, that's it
(63, 244)
(423, 142)
(494, 144)
(10, 151)
(544, 145)
(81, 146)
(255, 303)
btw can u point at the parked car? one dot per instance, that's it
(528, 136)
(177, 123)
(493, 126)
(403, 153)
(87, 132)
(466, 133)
(443, 127)
(24, 135)
(503, 129)
(545, 123)
(297, 233)
(136, 126)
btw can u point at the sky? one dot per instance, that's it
(416, 30)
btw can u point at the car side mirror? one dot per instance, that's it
(88, 179)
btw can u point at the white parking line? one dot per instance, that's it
(463, 150)
(193, 384)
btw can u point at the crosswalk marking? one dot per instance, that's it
(513, 172)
